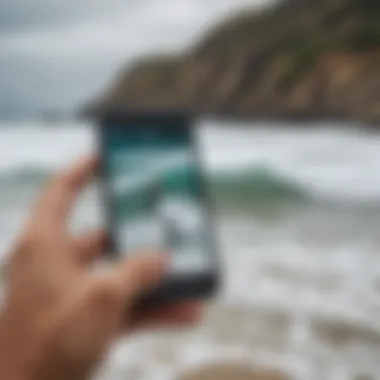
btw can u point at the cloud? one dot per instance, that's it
(64, 51)
(29, 14)
(160, 24)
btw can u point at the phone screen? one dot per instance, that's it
(157, 195)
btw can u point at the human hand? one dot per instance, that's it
(59, 316)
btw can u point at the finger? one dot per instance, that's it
(55, 203)
(180, 314)
(140, 274)
(90, 246)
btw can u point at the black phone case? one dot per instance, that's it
(174, 288)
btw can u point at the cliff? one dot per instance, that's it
(299, 59)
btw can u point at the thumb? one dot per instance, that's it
(142, 273)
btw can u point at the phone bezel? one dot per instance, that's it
(174, 288)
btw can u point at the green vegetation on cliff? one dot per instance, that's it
(300, 58)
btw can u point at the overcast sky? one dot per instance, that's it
(54, 54)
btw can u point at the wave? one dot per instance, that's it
(256, 183)
(327, 164)
(25, 177)
(249, 185)
(35, 150)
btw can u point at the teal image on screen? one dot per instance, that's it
(156, 194)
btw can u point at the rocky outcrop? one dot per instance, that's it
(309, 59)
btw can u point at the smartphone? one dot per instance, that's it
(156, 200)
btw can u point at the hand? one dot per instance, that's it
(59, 316)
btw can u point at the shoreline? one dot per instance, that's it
(298, 120)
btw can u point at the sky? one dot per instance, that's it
(57, 54)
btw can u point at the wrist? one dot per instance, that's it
(20, 351)
(27, 353)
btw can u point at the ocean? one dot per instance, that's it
(297, 220)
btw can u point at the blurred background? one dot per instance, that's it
(288, 94)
